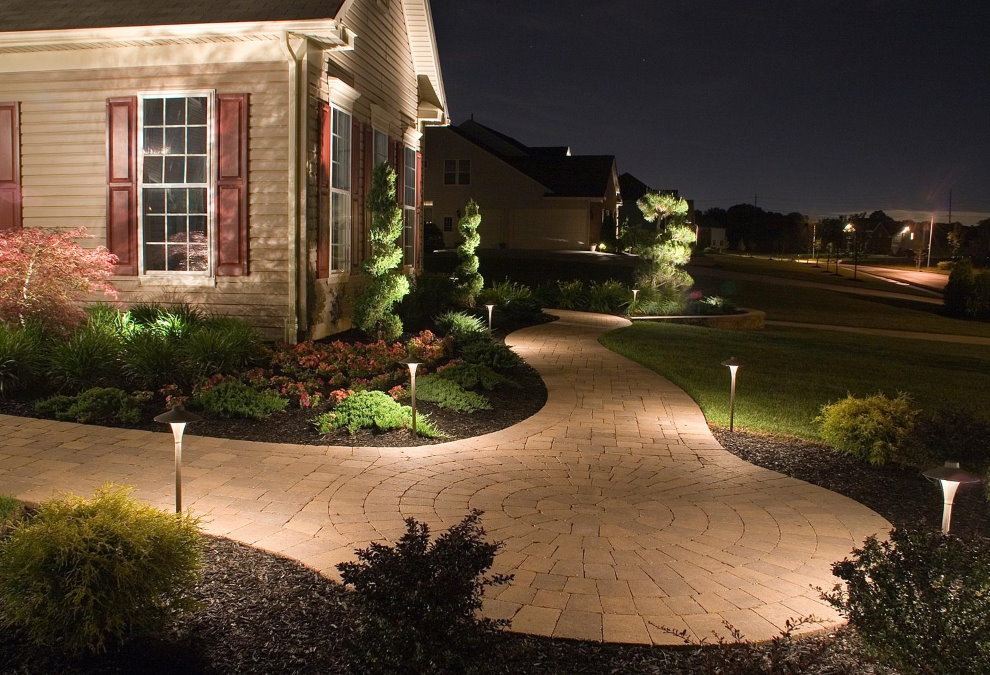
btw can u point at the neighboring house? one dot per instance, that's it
(530, 197)
(223, 151)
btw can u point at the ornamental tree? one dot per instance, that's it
(470, 282)
(387, 285)
(44, 275)
(665, 251)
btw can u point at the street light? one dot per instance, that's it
(178, 417)
(413, 363)
(951, 477)
(852, 229)
(490, 308)
(635, 293)
(733, 364)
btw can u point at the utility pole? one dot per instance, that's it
(931, 228)
(950, 207)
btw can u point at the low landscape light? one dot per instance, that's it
(177, 418)
(733, 365)
(490, 308)
(950, 476)
(412, 363)
(635, 293)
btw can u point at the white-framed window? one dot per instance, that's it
(457, 172)
(340, 190)
(409, 206)
(176, 191)
(380, 147)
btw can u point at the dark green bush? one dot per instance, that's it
(472, 376)
(484, 350)
(372, 410)
(419, 600)
(221, 346)
(459, 324)
(872, 428)
(947, 435)
(450, 395)
(86, 574)
(97, 405)
(430, 294)
(608, 297)
(21, 358)
(920, 601)
(235, 399)
(109, 320)
(959, 288)
(978, 303)
(87, 358)
(514, 302)
(152, 359)
(175, 320)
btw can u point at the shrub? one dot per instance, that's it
(608, 297)
(152, 360)
(959, 288)
(97, 405)
(978, 303)
(472, 375)
(87, 358)
(420, 599)
(372, 410)
(86, 574)
(430, 294)
(373, 309)
(709, 305)
(221, 345)
(43, 276)
(175, 320)
(571, 295)
(469, 281)
(504, 293)
(450, 395)
(920, 601)
(21, 357)
(483, 350)
(459, 324)
(947, 435)
(109, 320)
(235, 399)
(871, 428)
(660, 301)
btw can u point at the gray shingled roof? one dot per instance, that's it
(22, 15)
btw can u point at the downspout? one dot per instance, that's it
(295, 49)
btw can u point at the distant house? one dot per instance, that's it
(223, 151)
(530, 197)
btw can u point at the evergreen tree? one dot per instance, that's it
(387, 285)
(470, 282)
(664, 252)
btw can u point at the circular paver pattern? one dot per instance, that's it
(622, 518)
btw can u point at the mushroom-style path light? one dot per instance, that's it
(412, 363)
(635, 293)
(178, 417)
(733, 365)
(490, 308)
(951, 477)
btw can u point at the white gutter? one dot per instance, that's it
(295, 48)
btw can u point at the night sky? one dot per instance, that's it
(822, 107)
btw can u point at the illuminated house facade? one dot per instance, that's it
(223, 151)
(530, 197)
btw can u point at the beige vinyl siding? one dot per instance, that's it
(63, 146)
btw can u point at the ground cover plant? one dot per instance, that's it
(372, 410)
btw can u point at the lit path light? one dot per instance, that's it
(178, 417)
(635, 293)
(490, 308)
(413, 363)
(733, 364)
(951, 477)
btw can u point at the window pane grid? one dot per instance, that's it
(340, 185)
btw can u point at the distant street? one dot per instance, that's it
(929, 280)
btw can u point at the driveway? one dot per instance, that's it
(620, 513)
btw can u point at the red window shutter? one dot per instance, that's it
(323, 195)
(232, 185)
(10, 167)
(122, 183)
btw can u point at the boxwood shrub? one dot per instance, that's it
(872, 428)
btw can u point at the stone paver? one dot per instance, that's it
(621, 515)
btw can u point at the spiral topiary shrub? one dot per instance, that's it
(83, 575)
(470, 282)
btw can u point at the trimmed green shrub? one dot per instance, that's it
(947, 435)
(221, 346)
(484, 350)
(419, 600)
(872, 428)
(469, 281)
(448, 394)
(235, 399)
(152, 360)
(87, 358)
(919, 601)
(86, 574)
(21, 358)
(372, 410)
(97, 405)
(430, 294)
(472, 376)
(959, 288)
(459, 324)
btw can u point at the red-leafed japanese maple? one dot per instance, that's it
(44, 275)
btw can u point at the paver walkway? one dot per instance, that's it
(620, 512)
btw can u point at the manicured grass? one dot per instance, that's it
(789, 374)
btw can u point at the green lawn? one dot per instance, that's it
(788, 374)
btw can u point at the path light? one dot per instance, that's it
(951, 477)
(490, 308)
(178, 417)
(413, 363)
(635, 292)
(733, 364)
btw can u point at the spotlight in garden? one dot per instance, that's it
(733, 365)
(635, 293)
(413, 363)
(951, 477)
(178, 417)
(490, 308)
